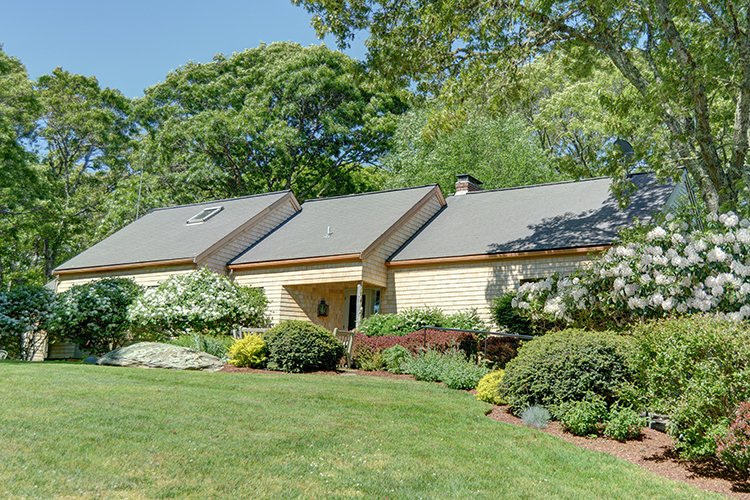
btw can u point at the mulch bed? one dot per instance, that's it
(653, 452)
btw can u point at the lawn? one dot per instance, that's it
(73, 431)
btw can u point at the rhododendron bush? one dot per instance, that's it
(199, 302)
(674, 268)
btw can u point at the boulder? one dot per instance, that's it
(158, 355)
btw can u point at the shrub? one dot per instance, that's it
(535, 417)
(299, 346)
(734, 448)
(566, 366)
(411, 320)
(396, 359)
(211, 344)
(24, 313)
(451, 368)
(679, 267)
(464, 320)
(250, 351)
(623, 423)
(488, 389)
(500, 350)
(199, 302)
(582, 418)
(694, 369)
(94, 315)
(508, 318)
(371, 361)
(415, 342)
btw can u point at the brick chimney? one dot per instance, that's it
(466, 184)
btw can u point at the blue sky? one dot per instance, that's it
(133, 45)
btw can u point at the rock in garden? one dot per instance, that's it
(91, 360)
(157, 355)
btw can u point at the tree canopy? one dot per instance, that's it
(687, 62)
(498, 152)
(276, 117)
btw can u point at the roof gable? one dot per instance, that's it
(164, 235)
(343, 226)
(533, 218)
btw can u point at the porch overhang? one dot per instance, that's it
(328, 259)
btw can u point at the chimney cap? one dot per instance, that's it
(468, 178)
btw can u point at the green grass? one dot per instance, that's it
(72, 431)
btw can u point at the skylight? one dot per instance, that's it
(204, 215)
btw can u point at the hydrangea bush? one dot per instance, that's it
(94, 315)
(677, 267)
(24, 312)
(199, 302)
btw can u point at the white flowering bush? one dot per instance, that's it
(199, 302)
(24, 312)
(94, 315)
(671, 269)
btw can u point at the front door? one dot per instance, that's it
(351, 318)
(370, 305)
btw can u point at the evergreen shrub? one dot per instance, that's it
(300, 346)
(566, 366)
(508, 318)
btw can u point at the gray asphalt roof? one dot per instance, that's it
(163, 234)
(355, 223)
(544, 217)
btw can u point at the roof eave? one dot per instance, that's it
(558, 252)
(118, 267)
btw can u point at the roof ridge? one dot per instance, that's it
(198, 203)
(354, 195)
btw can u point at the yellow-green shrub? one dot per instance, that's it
(488, 389)
(249, 352)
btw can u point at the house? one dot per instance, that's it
(334, 251)
(336, 260)
(484, 243)
(179, 239)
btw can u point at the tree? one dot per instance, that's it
(86, 134)
(24, 313)
(276, 117)
(19, 109)
(500, 153)
(688, 62)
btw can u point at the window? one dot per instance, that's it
(204, 215)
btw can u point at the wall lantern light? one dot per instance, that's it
(322, 308)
